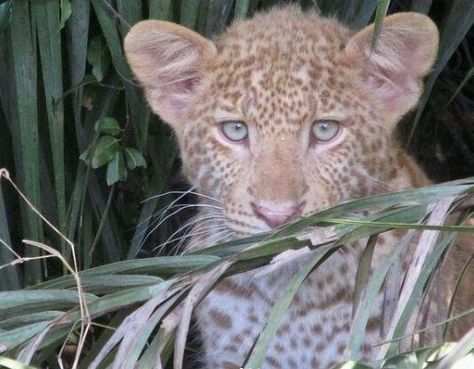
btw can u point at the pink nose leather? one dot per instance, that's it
(276, 216)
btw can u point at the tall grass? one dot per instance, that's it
(76, 135)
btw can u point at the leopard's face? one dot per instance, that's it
(277, 136)
(283, 116)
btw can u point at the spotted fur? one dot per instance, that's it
(279, 72)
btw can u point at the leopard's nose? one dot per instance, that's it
(276, 216)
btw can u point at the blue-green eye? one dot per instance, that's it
(325, 130)
(235, 130)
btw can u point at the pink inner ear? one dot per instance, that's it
(392, 83)
(394, 89)
(174, 97)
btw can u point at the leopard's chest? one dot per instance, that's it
(314, 331)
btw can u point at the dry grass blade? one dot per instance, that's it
(458, 353)
(85, 317)
(425, 247)
(364, 310)
(197, 293)
(129, 325)
(133, 345)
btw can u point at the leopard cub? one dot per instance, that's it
(280, 116)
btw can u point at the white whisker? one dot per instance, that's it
(190, 191)
(156, 224)
(205, 223)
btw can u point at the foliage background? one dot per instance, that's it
(62, 69)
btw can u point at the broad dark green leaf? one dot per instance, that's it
(134, 158)
(107, 125)
(116, 169)
(104, 151)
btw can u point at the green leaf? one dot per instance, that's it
(10, 276)
(108, 126)
(139, 114)
(382, 8)
(66, 11)
(361, 13)
(5, 15)
(189, 13)
(13, 364)
(163, 266)
(465, 80)
(161, 9)
(104, 151)
(241, 8)
(86, 155)
(22, 298)
(134, 158)
(27, 132)
(421, 6)
(457, 24)
(98, 56)
(218, 12)
(116, 170)
(15, 337)
(49, 43)
(30, 318)
(461, 354)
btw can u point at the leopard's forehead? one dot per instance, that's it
(280, 69)
(289, 29)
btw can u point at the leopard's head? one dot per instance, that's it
(285, 113)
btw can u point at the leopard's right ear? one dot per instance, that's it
(167, 59)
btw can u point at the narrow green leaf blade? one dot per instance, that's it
(189, 13)
(24, 50)
(381, 12)
(241, 8)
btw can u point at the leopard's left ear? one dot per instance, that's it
(168, 60)
(405, 52)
